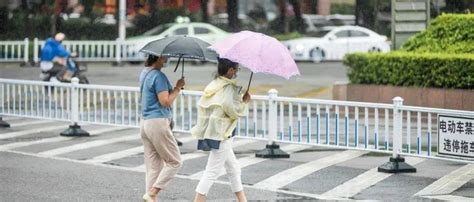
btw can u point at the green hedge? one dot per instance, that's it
(409, 69)
(448, 33)
(442, 56)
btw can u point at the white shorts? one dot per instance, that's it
(46, 65)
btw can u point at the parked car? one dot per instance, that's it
(246, 22)
(203, 31)
(333, 45)
(318, 23)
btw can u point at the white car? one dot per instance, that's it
(336, 43)
(203, 31)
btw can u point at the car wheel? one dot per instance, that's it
(375, 49)
(317, 55)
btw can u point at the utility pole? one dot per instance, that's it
(122, 16)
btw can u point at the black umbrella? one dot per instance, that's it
(181, 47)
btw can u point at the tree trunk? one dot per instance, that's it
(186, 7)
(3, 17)
(357, 12)
(376, 16)
(232, 13)
(283, 21)
(153, 8)
(26, 11)
(59, 7)
(314, 6)
(88, 5)
(298, 17)
(205, 16)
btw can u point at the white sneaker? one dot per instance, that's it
(43, 76)
(147, 198)
(54, 80)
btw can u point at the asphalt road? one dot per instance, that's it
(315, 80)
(41, 166)
(38, 165)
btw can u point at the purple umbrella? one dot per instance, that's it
(258, 52)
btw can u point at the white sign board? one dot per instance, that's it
(456, 136)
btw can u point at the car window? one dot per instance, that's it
(342, 34)
(355, 33)
(181, 31)
(157, 30)
(201, 30)
(317, 34)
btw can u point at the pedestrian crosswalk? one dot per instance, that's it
(31, 131)
(118, 144)
(30, 122)
(363, 181)
(449, 183)
(86, 145)
(286, 177)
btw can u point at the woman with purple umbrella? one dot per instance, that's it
(219, 110)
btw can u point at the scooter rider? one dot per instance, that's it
(55, 59)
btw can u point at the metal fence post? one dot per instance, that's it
(26, 50)
(118, 52)
(397, 163)
(272, 150)
(4, 124)
(74, 129)
(35, 51)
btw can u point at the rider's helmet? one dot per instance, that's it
(59, 37)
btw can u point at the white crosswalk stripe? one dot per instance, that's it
(29, 143)
(116, 155)
(449, 198)
(450, 182)
(11, 118)
(363, 181)
(291, 175)
(251, 159)
(128, 152)
(235, 144)
(185, 139)
(31, 131)
(53, 139)
(30, 122)
(200, 154)
(86, 145)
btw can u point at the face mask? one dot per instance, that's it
(167, 63)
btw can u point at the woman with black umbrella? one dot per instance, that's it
(161, 153)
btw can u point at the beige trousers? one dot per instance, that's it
(162, 156)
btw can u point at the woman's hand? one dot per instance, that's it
(180, 83)
(246, 97)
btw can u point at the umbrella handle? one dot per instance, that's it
(177, 64)
(182, 71)
(250, 81)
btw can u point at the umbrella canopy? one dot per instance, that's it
(258, 52)
(180, 46)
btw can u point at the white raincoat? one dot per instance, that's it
(219, 109)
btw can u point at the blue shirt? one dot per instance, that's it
(154, 83)
(51, 49)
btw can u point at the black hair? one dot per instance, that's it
(224, 65)
(150, 60)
